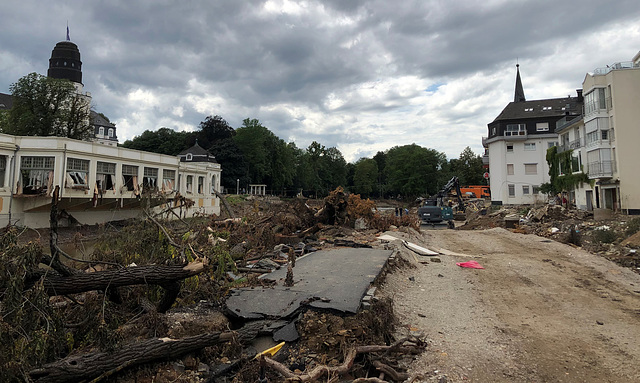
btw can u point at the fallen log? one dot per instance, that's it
(103, 364)
(137, 275)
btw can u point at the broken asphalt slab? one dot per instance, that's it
(334, 279)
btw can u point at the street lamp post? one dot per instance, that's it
(238, 186)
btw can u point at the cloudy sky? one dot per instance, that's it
(359, 75)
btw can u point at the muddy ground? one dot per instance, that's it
(539, 311)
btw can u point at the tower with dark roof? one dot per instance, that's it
(519, 93)
(65, 62)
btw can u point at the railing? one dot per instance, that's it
(521, 133)
(614, 66)
(601, 169)
(600, 142)
(571, 145)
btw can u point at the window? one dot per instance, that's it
(509, 148)
(101, 131)
(168, 180)
(594, 101)
(530, 169)
(510, 169)
(200, 185)
(493, 131)
(213, 184)
(542, 127)
(512, 190)
(3, 169)
(546, 108)
(516, 130)
(604, 134)
(150, 178)
(536, 189)
(189, 184)
(77, 174)
(189, 157)
(36, 174)
(592, 137)
(551, 144)
(105, 176)
(575, 164)
(111, 132)
(530, 147)
(528, 109)
(525, 189)
(130, 177)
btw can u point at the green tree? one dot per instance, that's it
(468, 168)
(381, 160)
(217, 136)
(269, 160)
(412, 170)
(365, 177)
(44, 106)
(163, 141)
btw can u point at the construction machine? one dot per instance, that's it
(435, 211)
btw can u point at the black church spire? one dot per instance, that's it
(519, 94)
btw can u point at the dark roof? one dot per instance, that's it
(98, 120)
(195, 150)
(198, 153)
(6, 101)
(536, 109)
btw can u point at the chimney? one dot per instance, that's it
(579, 91)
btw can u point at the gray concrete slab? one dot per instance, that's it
(333, 279)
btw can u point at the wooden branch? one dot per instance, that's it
(316, 372)
(345, 367)
(137, 275)
(390, 371)
(103, 364)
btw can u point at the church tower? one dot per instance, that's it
(65, 62)
(519, 93)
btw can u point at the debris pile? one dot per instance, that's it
(614, 237)
(130, 324)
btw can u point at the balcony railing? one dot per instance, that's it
(599, 143)
(614, 66)
(571, 145)
(601, 169)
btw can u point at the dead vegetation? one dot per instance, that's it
(60, 311)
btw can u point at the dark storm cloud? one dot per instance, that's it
(343, 73)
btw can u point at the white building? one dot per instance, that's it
(517, 144)
(604, 140)
(99, 183)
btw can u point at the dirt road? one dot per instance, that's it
(540, 311)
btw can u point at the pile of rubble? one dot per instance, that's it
(615, 236)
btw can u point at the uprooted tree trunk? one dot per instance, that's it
(100, 365)
(103, 364)
(164, 276)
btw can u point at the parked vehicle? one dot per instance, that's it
(476, 191)
(434, 211)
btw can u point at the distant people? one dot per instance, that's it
(400, 212)
(397, 211)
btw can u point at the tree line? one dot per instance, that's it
(252, 154)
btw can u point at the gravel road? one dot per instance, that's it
(540, 311)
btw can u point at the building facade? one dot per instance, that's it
(604, 140)
(98, 183)
(517, 144)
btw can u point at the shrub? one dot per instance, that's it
(604, 236)
(633, 226)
